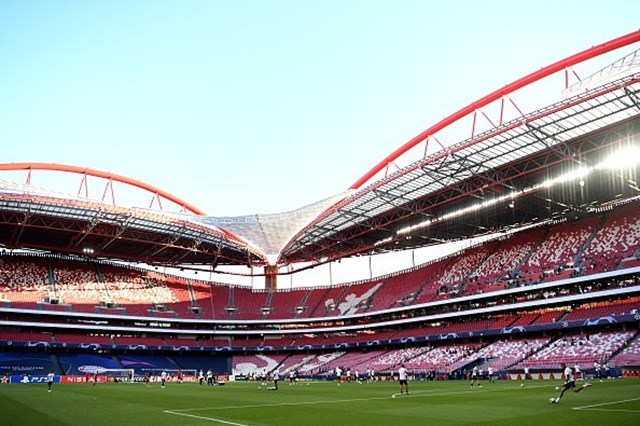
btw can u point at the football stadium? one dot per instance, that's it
(112, 314)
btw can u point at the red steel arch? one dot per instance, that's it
(577, 58)
(105, 175)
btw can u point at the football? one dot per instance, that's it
(552, 400)
(557, 388)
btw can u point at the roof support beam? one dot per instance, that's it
(633, 96)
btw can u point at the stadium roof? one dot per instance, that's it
(528, 168)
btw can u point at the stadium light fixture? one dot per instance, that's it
(409, 229)
(579, 173)
(626, 157)
(383, 241)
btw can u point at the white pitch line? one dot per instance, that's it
(418, 394)
(210, 419)
(279, 404)
(590, 407)
(483, 389)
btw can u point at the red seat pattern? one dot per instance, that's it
(577, 349)
(616, 240)
(559, 248)
(284, 303)
(23, 281)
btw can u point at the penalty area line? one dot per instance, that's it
(209, 419)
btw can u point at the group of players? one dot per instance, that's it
(343, 375)
(477, 374)
(570, 376)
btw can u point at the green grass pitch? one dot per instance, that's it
(615, 402)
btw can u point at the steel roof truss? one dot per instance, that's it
(15, 238)
(633, 96)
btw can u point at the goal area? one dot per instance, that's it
(118, 374)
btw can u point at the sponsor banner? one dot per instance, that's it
(83, 379)
(26, 379)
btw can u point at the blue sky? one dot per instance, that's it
(263, 106)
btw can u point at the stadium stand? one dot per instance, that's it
(82, 339)
(319, 363)
(555, 257)
(295, 361)
(497, 271)
(22, 336)
(577, 349)
(439, 359)
(24, 281)
(616, 240)
(450, 282)
(287, 304)
(188, 341)
(134, 341)
(249, 303)
(218, 342)
(78, 284)
(502, 354)
(603, 309)
(629, 355)
(180, 303)
(252, 364)
(404, 288)
(322, 301)
(350, 360)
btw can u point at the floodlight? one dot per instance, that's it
(626, 157)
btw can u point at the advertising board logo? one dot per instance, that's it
(448, 336)
(516, 329)
(37, 344)
(601, 320)
(89, 346)
(91, 369)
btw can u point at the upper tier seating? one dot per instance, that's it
(248, 303)
(593, 244)
(616, 240)
(558, 250)
(23, 280)
(321, 301)
(284, 303)
(496, 272)
(403, 289)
